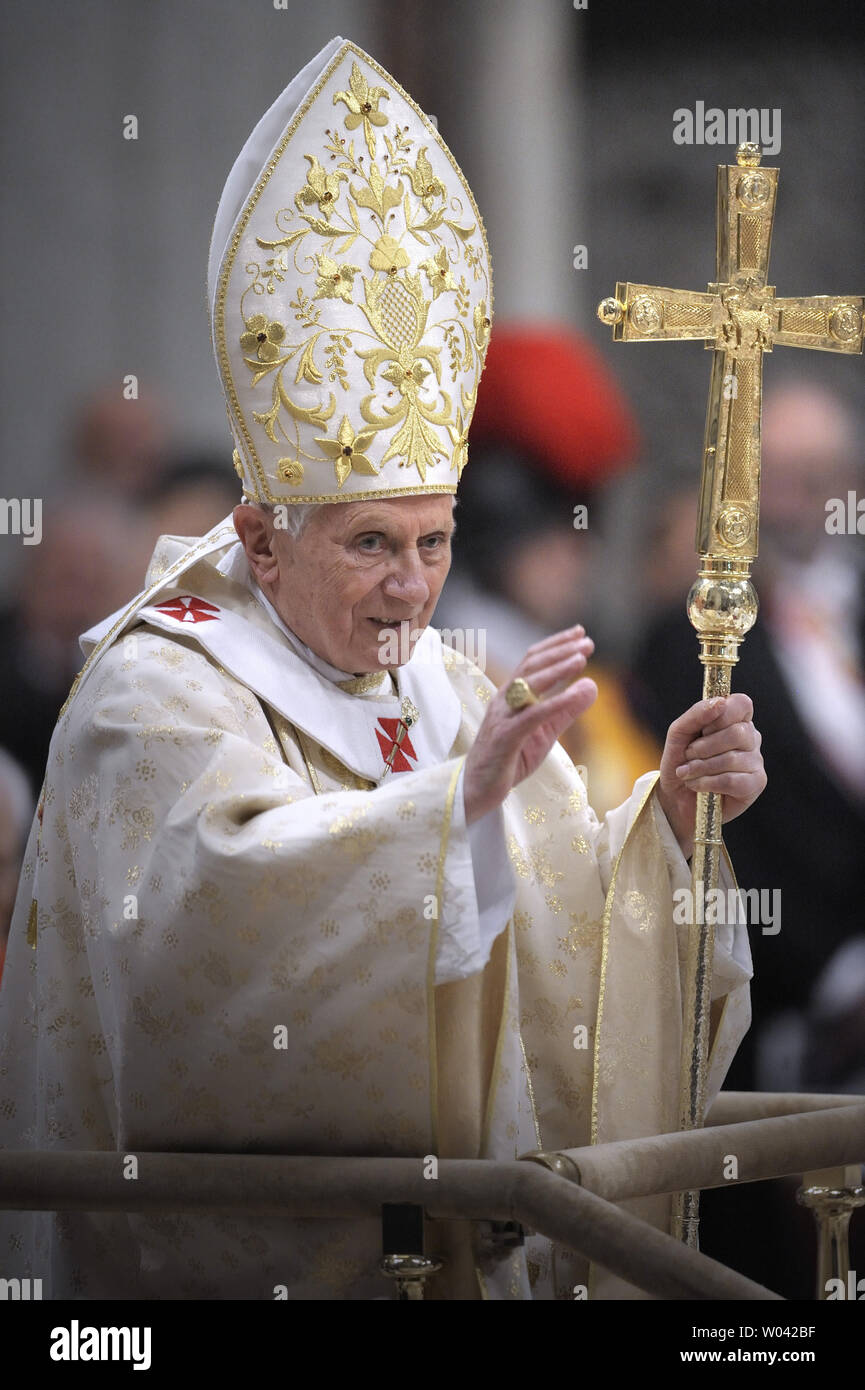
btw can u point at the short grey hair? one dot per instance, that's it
(296, 515)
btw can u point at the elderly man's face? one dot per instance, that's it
(362, 576)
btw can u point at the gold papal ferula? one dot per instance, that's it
(734, 525)
(611, 311)
(748, 155)
(722, 605)
(846, 323)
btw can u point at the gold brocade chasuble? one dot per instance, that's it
(274, 886)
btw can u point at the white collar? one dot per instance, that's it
(263, 657)
(318, 663)
(236, 566)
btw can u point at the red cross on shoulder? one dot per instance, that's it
(186, 608)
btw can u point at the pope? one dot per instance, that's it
(253, 828)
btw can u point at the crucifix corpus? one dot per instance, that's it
(739, 318)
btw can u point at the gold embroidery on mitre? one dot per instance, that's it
(372, 271)
(290, 472)
(347, 452)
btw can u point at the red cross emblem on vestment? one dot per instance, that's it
(188, 609)
(393, 739)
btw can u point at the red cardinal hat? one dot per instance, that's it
(546, 391)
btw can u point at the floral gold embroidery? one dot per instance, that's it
(347, 451)
(438, 271)
(387, 254)
(320, 188)
(263, 337)
(459, 434)
(423, 181)
(482, 323)
(290, 471)
(334, 281)
(362, 102)
(395, 210)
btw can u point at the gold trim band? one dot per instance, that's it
(433, 949)
(357, 496)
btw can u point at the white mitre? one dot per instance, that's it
(350, 293)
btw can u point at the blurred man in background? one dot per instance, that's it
(132, 485)
(191, 496)
(91, 559)
(118, 445)
(551, 428)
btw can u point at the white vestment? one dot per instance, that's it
(219, 866)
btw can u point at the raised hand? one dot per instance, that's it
(512, 744)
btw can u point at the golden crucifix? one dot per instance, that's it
(739, 318)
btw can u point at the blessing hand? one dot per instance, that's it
(512, 744)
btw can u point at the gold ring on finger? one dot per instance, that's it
(519, 694)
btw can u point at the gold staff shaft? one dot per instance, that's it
(722, 607)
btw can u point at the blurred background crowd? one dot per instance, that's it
(562, 120)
